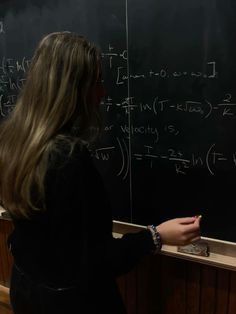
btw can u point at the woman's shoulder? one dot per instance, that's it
(66, 151)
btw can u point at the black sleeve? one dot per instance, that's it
(120, 255)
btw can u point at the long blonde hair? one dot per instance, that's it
(54, 98)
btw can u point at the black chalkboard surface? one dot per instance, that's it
(169, 143)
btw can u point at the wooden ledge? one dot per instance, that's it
(222, 253)
(4, 296)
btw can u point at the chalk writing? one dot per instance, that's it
(11, 83)
(105, 154)
(213, 159)
(7, 106)
(121, 75)
(9, 65)
(141, 130)
(202, 108)
(180, 161)
(12, 78)
(114, 54)
(226, 107)
(2, 27)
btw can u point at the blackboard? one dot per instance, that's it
(169, 68)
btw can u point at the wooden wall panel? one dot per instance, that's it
(232, 294)
(208, 290)
(6, 258)
(173, 286)
(142, 286)
(222, 291)
(152, 290)
(193, 289)
(5, 266)
(5, 309)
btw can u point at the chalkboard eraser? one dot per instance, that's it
(5, 214)
(200, 248)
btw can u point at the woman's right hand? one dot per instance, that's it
(180, 231)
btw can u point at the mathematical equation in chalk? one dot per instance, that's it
(122, 74)
(180, 162)
(12, 79)
(9, 65)
(225, 107)
(112, 54)
(213, 159)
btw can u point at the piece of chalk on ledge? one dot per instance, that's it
(199, 248)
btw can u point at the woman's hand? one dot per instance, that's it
(180, 231)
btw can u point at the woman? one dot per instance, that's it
(65, 258)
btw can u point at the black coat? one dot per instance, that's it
(71, 243)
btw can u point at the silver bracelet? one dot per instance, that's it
(156, 238)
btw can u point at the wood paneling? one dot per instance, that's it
(5, 266)
(167, 285)
(6, 258)
(5, 309)
(193, 289)
(232, 294)
(222, 291)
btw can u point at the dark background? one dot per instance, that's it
(169, 143)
